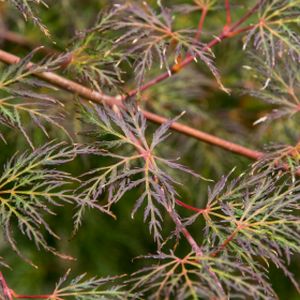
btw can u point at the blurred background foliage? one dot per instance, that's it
(104, 246)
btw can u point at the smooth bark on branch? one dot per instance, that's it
(98, 97)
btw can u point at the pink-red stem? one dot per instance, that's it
(201, 22)
(19, 296)
(189, 207)
(228, 13)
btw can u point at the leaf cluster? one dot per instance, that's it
(275, 33)
(21, 96)
(137, 167)
(149, 36)
(247, 223)
(30, 188)
(27, 9)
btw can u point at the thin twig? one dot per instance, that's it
(5, 289)
(247, 15)
(19, 296)
(225, 243)
(228, 13)
(185, 232)
(190, 207)
(201, 22)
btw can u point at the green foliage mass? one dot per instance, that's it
(97, 201)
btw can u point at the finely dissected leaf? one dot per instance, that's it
(26, 7)
(92, 58)
(275, 34)
(149, 36)
(280, 88)
(249, 222)
(24, 100)
(255, 216)
(82, 287)
(29, 190)
(172, 277)
(281, 159)
(139, 167)
(99, 68)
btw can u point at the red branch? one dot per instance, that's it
(19, 296)
(189, 207)
(185, 232)
(98, 97)
(228, 13)
(201, 22)
(225, 243)
(10, 294)
(5, 289)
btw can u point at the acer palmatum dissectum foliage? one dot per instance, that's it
(255, 216)
(280, 87)
(90, 288)
(171, 277)
(122, 135)
(20, 98)
(28, 10)
(275, 33)
(250, 222)
(29, 186)
(90, 56)
(148, 35)
(80, 287)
